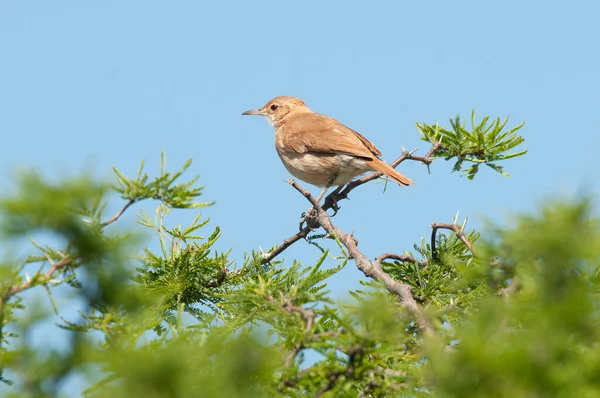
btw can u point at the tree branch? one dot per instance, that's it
(371, 269)
(452, 227)
(267, 257)
(119, 214)
(47, 277)
(427, 159)
(401, 257)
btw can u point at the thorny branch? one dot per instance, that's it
(334, 197)
(405, 258)
(458, 231)
(371, 269)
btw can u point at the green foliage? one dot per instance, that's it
(181, 195)
(191, 365)
(38, 205)
(178, 318)
(92, 263)
(183, 273)
(542, 341)
(483, 144)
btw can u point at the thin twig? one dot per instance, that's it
(334, 197)
(406, 155)
(307, 315)
(267, 257)
(401, 257)
(47, 277)
(452, 227)
(119, 214)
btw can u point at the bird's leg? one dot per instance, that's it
(333, 197)
(323, 193)
(327, 186)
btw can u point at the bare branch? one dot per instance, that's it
(452, 227)
(371, 269)
(267, 257)
(406, 155)
(119, 214)
(400, 257)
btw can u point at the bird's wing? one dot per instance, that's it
(312, 132)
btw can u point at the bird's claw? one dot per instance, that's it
(310, 218)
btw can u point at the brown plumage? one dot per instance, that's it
(318, 149)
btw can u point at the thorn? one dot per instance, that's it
(413, 151)
(403, 149)
(456, 216)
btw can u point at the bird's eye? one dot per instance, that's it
(274, 107)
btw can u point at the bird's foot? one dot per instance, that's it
(334, 206)
(332, 199)
(310, 219)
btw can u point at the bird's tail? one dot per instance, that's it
(389, 171)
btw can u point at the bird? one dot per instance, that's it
(318, 149)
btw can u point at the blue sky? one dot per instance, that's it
(91, 85)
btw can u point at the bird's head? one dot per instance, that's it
(279, 108)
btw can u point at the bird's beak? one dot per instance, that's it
(254, 112)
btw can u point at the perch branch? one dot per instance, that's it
(371, 269)
(334, 197)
